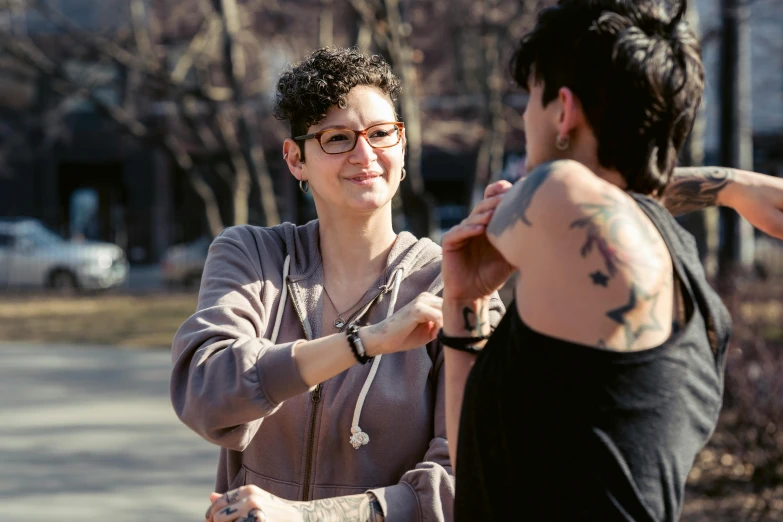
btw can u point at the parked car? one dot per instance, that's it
(183, 264)
(33, 256)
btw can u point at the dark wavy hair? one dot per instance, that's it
(636, 70)
(323, 79)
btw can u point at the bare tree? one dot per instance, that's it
(736, 248)
(391, 34)
(207, 95)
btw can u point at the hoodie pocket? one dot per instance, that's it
(280, 488)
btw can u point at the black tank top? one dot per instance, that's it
(552, 430)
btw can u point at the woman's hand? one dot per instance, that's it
(412, 326)
(759, 199)
(252, 504)
(472, 267)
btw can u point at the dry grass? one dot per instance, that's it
(725, 485)
(739, 476)
(109, 319)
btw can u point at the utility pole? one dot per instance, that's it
(736, 138)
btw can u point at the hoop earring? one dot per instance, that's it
(403, 174)
(562, 142)
(304, 185)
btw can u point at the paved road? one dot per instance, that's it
(88, 434)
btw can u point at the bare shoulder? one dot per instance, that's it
(593, 268)
(534, 201)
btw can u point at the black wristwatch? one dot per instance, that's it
(356, 344)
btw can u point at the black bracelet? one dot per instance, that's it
(357, 347)
(469, 348)
(458, 342)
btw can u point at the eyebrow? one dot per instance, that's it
(330, 127)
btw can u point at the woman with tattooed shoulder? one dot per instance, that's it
(591, 399)
(311, 359)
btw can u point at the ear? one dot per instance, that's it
(293, 158)
(571, 114)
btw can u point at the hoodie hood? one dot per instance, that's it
(302, 245)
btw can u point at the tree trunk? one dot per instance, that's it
(736, 249)
(417, 204)
(489, 164)
(248, 163)
(702, 225)
(326, 23)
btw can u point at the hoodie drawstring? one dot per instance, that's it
(358, 437)
(281, 306)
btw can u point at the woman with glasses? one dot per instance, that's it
(311, 359)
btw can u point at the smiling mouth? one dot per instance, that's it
(364, 179)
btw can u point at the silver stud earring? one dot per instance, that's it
(304, 185)
(562, 142)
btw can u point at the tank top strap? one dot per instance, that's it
(687, 264)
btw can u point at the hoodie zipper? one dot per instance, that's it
(315, 396)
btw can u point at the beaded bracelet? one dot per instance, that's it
(357, 347)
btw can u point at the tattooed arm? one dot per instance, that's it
(245, 503)
(696, 188)
(757, 197)
(360, 508)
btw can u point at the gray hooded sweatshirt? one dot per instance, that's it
(238, 389)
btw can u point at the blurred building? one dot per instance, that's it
(64, 162)
(81, 174)
(766, 65)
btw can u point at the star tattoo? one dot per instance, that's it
(599, 278)
(633, 332)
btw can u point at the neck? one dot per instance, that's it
(585, 151)
(355, 248)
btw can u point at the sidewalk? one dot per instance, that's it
(89, 434)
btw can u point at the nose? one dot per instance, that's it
(363, 153)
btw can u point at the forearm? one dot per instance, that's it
(460, 319)
(322, 359)
(361, 508)
(697, 188)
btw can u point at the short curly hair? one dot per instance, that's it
(323, 79)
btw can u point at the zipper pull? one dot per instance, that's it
(316, 397)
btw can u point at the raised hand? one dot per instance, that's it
(472, 267)
(412, 326)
